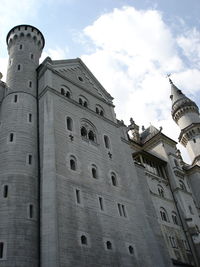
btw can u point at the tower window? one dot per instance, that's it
(19, 67)
(101, 204)
(1, 250)
(106, 141)
(20, 47)
(30, 157)
(84, 240)
(121, 210)
(31, 56)
(31, 211)
(91, 136)
(78, 197)
(94, 171)
(5, 191)
(108, 245)
(30, 117)
(131, 250)
(83, 132)
(113, 179)
(69, 124)
(30, 84)
(11, 137)
(73, 163)
(15, 98)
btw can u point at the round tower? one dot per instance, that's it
(19, 199)
(185, 113)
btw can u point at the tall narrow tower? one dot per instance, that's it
(185, 113)
(19, 221)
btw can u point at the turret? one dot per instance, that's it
(19, 179)
(185, 113)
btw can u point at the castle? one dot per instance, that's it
(80, 188)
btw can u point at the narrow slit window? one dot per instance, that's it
(11, 137)
(69, 124)
(78, 197)
(123, 210)
(15, 98)
(31, 211)
(20, 47)
(101, 204)
(119, 209)
(30, 117)
(114, 179)
(30, 159)
(106, 141)
(32, 56)
(94, 172)
(1, 250)
(30, 84)
(72, 164)
(18, 67)
(5, 191)
(131, 250)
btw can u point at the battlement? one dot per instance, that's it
(25, 31)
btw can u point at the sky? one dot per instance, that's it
(129, 45)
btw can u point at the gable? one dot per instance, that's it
(76, 71)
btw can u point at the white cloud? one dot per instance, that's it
(55, 54)
(134, 50)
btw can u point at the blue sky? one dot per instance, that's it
(129, 45)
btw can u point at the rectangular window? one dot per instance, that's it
(122, 210)
(15, 98)
(29, 159)
(31, 211)
(5, 191)
(30, 117)
(11, 138)
(101, 204)
(1, 250)
(78, 197)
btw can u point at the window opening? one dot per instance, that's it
(94, 172)
(30, 117)
(174, 218)
(15, 98)
(78, 198)
(72, 164)
(83, 240)
(109, 245)
(68, 94)
(114, 179)
(11, 139)
(18, 67)
(5, 191)
(85, 104)
(97, 110)
(29, 159)
(101, 203)
(80, 101)
(62, 91)
(91, 136)
(30, 84)
(106, 141)
(131, 250)
(69, 124)
(83, 132)
(1, 250)
(31, 211)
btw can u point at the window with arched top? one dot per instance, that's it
(62, 91)
(174, 218)
(83, 131)
(83, 101)
(131, 249)
(161, 191)
(91, 135)
(84, 240)
(108, 245)
(182, 185)
(88, 131)
(163, 215)
(106, 141)
(114, 179)
(68, 94)
(69, 122)
(94, 171)
(73, 163)
(99, 110)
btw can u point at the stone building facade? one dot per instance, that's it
(80, 188)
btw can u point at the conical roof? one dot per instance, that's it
(179, 100)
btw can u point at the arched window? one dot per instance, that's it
(131, 250)
(68, 95)
(91, 136)
(101, 113)
(174, 218)
(163, 215)
(113, 179)
(73, 164)
(94, 171)
(80, 101)
(83, 132)
(182, 185)
(106, 141)
(69, 124)
(62, 91)
(161, 191)
(83, 101)
(85, 104)
(88, 131)
(84, 240)
(108, 245)
(97, 110)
